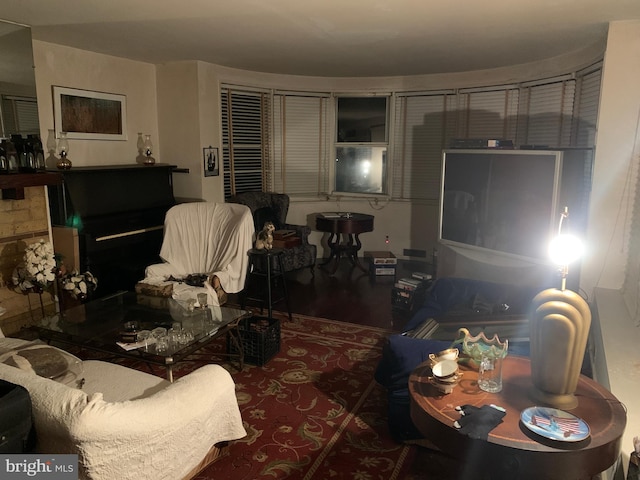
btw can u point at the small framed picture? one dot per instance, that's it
(211, 161)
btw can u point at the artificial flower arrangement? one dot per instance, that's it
(79, 285)
(38, 269)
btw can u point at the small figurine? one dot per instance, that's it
(264, 239)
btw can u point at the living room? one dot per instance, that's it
(178, 104)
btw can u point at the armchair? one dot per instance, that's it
(268, 206)
(204, 238)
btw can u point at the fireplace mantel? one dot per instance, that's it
(13, 185)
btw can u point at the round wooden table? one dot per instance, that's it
(350, 225)
(511, 450)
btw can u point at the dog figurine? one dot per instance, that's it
(264, 239)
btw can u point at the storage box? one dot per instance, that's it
(260, 339)
(381, 258)
(386, 271)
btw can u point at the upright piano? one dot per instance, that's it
(111, 218)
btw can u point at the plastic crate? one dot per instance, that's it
(260, 339)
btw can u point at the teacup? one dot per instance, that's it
(444, 369)
(448, 354)
(445, 386)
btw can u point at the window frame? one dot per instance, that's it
(386, 181)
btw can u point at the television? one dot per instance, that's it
(508, 203)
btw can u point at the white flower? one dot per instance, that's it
(79, 284)
(37, 268)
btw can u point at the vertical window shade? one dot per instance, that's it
(300, 144)
(490, 114)
(423, 124)
(586, 114)
(19, 116)
(245, 140)
(548, 111)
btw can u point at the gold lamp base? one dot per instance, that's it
(566, 401)
(559, 329)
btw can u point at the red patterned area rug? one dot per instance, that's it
(314, 410)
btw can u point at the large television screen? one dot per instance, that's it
(509, 201)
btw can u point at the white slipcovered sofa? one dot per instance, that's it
(126, 424)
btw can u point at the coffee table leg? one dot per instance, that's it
(170, 373)
(234, 334)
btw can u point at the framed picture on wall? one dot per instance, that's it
(89, 115)
(211, 161)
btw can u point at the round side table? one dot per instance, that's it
(511, 450)
(351, 225)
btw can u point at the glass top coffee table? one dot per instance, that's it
(106, 324)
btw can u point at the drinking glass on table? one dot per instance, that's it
(144, 336)
(203, 299)
(162, 344)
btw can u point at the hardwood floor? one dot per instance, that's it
(349, 295)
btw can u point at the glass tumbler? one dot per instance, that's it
(490, 373)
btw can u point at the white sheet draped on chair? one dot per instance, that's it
(205, 238)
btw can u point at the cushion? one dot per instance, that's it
(401, 355)
(45, 361)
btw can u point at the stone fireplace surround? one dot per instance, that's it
(21, 222)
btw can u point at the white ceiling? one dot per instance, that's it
(326, 37)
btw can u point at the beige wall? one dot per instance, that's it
(189, 120)
(70, 67)
(616, 160)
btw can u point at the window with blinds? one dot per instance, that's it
(282, 141)
(424, 124)
(362, 141)
(19, 116)
(300, 143)
(555, 113)
(245, 140)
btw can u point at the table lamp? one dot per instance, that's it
(559, 328)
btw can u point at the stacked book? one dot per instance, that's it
(381, 263)
(408, 284)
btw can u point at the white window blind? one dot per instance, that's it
(301, 144)
(489, 114)
(424, 124)
(245, 140)
(19, 115)
(586, 114)
(557, 112)
(546, 114)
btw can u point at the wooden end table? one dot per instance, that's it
(511, 451)
(349, 224)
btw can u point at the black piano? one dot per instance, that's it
(118, 212)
